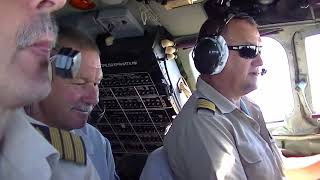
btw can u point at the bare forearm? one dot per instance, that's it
(300, 162)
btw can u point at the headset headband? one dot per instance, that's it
(228, 18)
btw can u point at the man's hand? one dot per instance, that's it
(297, 168)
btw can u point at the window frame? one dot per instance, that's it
(292, 37)
(311, 31)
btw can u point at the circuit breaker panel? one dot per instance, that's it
(137, 101)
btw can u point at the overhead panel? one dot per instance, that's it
(119, 22)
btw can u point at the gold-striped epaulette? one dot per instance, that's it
(206, 104)
(70, 146)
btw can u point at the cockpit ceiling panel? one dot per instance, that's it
(280, 11)
(285, 11)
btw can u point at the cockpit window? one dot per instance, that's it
(312, 44)
(274, 94)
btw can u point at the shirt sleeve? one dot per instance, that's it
(69, 170)
(113, 174)
(157, 167)
(91, 172)
(206, 150)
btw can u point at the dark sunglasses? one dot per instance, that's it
(247, 51)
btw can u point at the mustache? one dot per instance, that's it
(40, 26)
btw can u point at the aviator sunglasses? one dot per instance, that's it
(247, 51)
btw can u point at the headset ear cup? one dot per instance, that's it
(224, 54)
(210, 55)
(202, 61)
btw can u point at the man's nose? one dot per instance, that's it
(257, 61)
(91, 96)
(49, 6)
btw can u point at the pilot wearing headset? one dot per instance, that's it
(76, 74)
(219, 133)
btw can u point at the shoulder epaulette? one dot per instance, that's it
(70, 146)
(206, 104)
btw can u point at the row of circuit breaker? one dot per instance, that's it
(133, 112)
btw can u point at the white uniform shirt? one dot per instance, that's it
(99, 150)
(27, 155)
(225, 144)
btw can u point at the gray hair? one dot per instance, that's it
(79, 39)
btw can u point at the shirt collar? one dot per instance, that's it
(210, 93)
(24, 146)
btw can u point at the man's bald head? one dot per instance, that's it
(219, 26)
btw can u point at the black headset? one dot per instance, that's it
(210, 54)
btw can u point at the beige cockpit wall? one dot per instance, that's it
(298, 133)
